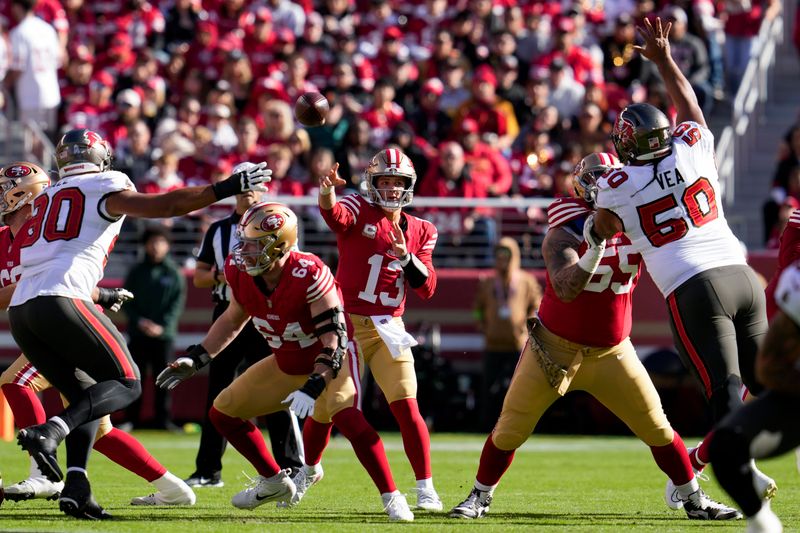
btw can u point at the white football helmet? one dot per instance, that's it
(390, 162)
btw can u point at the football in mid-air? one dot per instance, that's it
(311, 109)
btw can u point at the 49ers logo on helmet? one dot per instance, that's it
(18, 171)
(272, 222)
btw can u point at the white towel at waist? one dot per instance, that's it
(393, 334)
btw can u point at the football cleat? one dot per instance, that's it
(34, 488)
(265, 489)
(475, 506)
(765, 486)
(42, 442)
(428, 500)
(77, 500)
(698, 506)
(396, 506)
(181, 494)
(302, 481)
(198, 481)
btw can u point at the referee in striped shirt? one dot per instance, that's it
(246, 349)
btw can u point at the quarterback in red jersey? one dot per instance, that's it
(382, 250)
(293, 300)
(585, 282)
(20, 183)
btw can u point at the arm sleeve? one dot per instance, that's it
(426, 287)
(343, 214)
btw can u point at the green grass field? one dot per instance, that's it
(555, 484)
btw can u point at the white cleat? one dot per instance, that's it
(265, 489)
(428, 500)
(765, 486)
(302, 481)
(181, 495)
(396, 506)
(764, 521)
(34, 488)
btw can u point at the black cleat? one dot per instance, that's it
(77, 500)
(700, 507)
(475, 506)
(42, 442)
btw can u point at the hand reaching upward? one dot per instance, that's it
(331, 179)
(656, 40)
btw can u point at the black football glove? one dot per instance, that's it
(249, 177)
(112, 299)
(184, 367)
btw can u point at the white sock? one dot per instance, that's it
(688, 488)
(60, 423)
(484, 488)
(425, 483)
(35, 472)
(313, 470)
(78, 469)
(167, 482)
(386, 496)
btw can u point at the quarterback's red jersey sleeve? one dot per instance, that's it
(789, 253)
(425, 254)
(343, 214)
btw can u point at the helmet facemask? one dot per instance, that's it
(266, 233)
(390, 163)
(20, 183)
(589, 170)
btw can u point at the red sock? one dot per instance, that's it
(494, 463)
(247, 439)
(25, 405)
(129, 453)
(700, 456)
(367, 445)
(673, 460)
(315, 439)
(416, 440)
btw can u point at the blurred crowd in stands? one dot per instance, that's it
(489, 98)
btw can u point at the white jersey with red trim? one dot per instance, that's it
(673, 215)
(65, 245)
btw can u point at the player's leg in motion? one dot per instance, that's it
(20, 383)
(258, 391)
(718, 349)
(765, 427)
(528, 397)
(75, 336)
(619, 381)
(341, 398)
(398, 381)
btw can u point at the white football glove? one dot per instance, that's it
(589, 236)
(112, 299)
(300, 403)
(182, 369)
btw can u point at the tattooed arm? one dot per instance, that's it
(560, 251)
(777, 361)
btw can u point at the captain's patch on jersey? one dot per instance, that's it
(369, 231)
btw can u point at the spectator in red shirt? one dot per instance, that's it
(279, 159)
(82, 24)
(98, 109)
(296, 77)
(430, 123)
(742, 23)
(162, 176)
(119, 58)
(485, 163)
(495, 116)
(203, 54)
(144, 23)
(580, 61)
(384, 114)
(75, 84)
